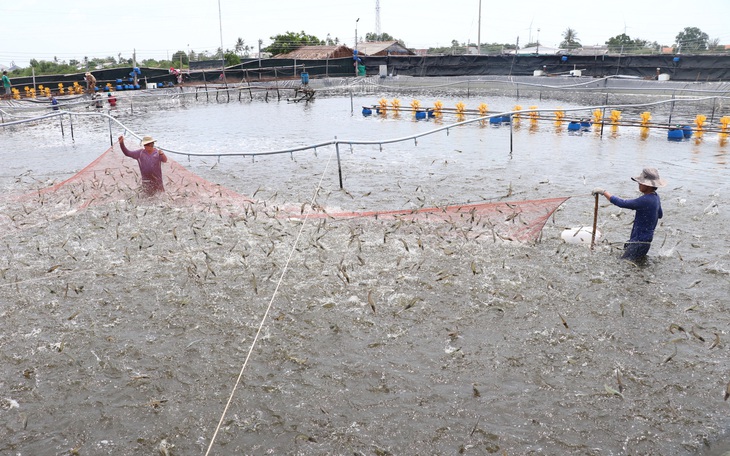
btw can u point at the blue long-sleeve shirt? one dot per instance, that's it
(648, 209)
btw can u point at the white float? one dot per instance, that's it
(579, 235)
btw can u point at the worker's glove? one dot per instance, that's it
(598, 191)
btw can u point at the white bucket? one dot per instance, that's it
(663, 77)
(579, 235)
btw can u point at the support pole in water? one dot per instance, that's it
(71, 121)
(111, 140)
(603, 117)
(595, 222)
(352, 105)
(60, 118)
(339, 164)
(510, 135)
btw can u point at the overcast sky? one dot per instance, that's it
(44, 29)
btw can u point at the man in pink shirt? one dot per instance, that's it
(150, 164)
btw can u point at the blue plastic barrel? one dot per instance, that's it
(159, 85)
(431, 113)
(420, 115)
(136, 70)
(305, 78)
(687, 131)
(495, 120)
(136, 86)
(675, 135)
(506, 119)
(574, 126)
(585, 125)
(366, 111)
(119, 87)
(564, 58)
(119, 81)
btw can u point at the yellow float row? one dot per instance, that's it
(597, 115)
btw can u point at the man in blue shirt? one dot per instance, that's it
(648, 209)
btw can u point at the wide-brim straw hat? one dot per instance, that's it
(650, 177)
(147, 140)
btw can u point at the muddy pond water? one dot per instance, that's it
(124, 327)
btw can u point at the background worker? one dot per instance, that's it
(5, 86)
(90, 82)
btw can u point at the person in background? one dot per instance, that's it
(648, 209)
(6, 86)
(96, 101)
(90, 82)
(150, 162)
(112, 100)
(54, 103)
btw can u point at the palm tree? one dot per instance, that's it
(239, 46)
(570, 39)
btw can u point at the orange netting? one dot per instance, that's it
(514, 221)
(114, 177)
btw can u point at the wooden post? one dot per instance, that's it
(595, 222)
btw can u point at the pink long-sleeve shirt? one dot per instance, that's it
(150, 167)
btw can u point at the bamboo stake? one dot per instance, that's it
(595, 222)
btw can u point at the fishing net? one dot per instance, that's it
(114, 178)
(507, 221)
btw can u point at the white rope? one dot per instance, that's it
(268, 308)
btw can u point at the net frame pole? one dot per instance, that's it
(339, 163)
(595, 222)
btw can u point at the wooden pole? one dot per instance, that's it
(595, 222)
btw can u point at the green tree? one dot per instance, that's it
(379, 37)
(691, 39)
(231, 58)
(289, 41)
(570, 39)
(180, 56)
(620, 43)
(714, 45)
(241, 49)
(238, 48)
(455, 48)
(496, 48)
(328, 41)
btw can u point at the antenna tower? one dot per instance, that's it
(377, 18)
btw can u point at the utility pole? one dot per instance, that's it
(356, 21)
(377, 19)
(479, 29)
